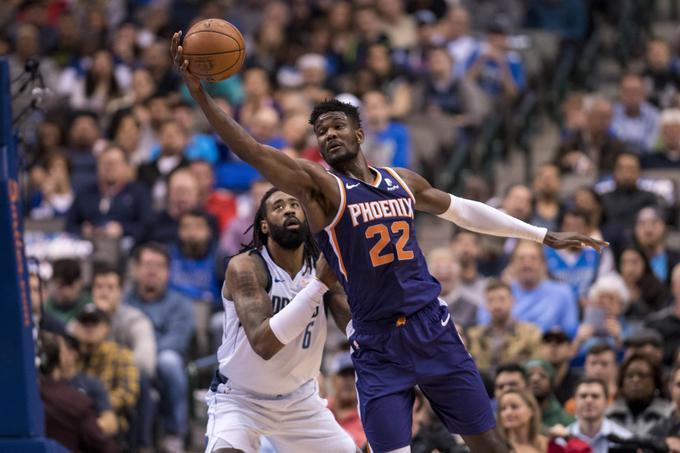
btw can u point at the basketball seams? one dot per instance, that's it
(202, 74)
(210, 53)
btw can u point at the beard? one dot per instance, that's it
(289, 239)
(194, 249)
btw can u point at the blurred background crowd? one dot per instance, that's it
(563, 113)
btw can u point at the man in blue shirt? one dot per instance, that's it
(538, 300)
(172, 317)
(650, 235)
(387, 142)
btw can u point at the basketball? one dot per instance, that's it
(215, 49)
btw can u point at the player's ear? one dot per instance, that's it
(264, 227)
(359, 133)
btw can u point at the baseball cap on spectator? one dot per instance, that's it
(555, 334)
(342, 362)
(92, 315)
(540, 363)
(425, 17)
(643, 337)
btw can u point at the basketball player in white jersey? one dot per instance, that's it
(274, 334)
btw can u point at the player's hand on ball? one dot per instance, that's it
(325, 273)
(182, 65)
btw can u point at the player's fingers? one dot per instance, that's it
(184, 66)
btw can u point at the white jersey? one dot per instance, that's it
(295, 364)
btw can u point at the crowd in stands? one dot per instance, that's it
(580, 350)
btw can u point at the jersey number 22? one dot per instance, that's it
(378, 258)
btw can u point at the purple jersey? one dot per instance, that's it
(371, 245)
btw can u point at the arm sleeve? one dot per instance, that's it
(288, 323)
(480, 218)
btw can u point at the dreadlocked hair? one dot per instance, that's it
(311, 250)
(333, 105)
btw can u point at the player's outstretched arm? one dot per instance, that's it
(481, 218)
(281, 170)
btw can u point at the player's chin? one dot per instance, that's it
(338, 156)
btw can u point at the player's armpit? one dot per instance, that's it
(246, 281)
(336, 301)
(428, 199)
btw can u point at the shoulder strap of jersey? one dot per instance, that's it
(343, 201)
(265, 266)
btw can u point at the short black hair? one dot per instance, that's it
(154, 247)
(592, 380)
(512, 367)
(333, 105)
(103, 268)
(600, 348)
(656, 370)
(66, 271)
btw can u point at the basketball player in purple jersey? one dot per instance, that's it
(362, 218)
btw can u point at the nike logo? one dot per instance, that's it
(351, 186)
(446, 321)
(278, 280)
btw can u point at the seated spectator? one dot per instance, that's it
(200, 145)
(587, 200)
(107, 361)
(218, 202)
(55, 195)
(460, 42)
(133, 136)
(70, 417)
(510, 376)
(69, 370)
(102, 83)
(622, 203)
(172, 318)
(519, 421)
(650, 235)
(193, 271)
(388, 78)
(129, 327)
(603, 320)
(668, 155)
(157, 60)
(670, 427)
(466, 249)
(386, 142)
(83, 144)
(504, 339)
(265, 127)
(538, 300)
(495, 69)
(577, 267)
(667, 321)
(636, 121)
(661, 76)
(257, 92)
(67, 298)
(591, 425)
(557, 350)
(443, 266)
(113, 207)
(600, 364)
(343, 403)
(155, 174)
(638, 408)
(647, 293)
(541, 376)
(645, 342)
(592, 149)
(397, 24)
(547, 186)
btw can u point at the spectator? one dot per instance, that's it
(538, 300)
(238, 232)
(541, 376)
(577, 267)
(650, 236)
(84, 143)
(113, 207)
(70, 418)
(129, 327)
(667, 321)
(670, 427)
(443, 266)
(343, 403)
(504, 339)
(603, 320)
(460, 43)
(519, 420)
(200, 146)
(41, 320)
(495, 69)
(647, 293)
(592, 150)
(547, 186)
(157, 60)
(258, 94)
(194, 271)
(133, 136)
(646, 342)
(154, 175)
(101, 83)
(557, 350)
(386, 142)
(55, 194)
(399, 27)
(69, 371)
(105, 360)
(67, 298)
(587, 200)
(600, 364)
(668, 155)
(389, 79)
(172, 318)
(265, 127)
(638, 408)
(622, 203)
(510, 376)
(466, 249)
(661, 77)
(220, 203)
(635, 122)
(591, 425)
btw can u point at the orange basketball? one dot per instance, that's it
(215, 49)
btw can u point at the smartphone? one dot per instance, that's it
(595, 317)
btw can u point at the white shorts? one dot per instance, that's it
(298, 422)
